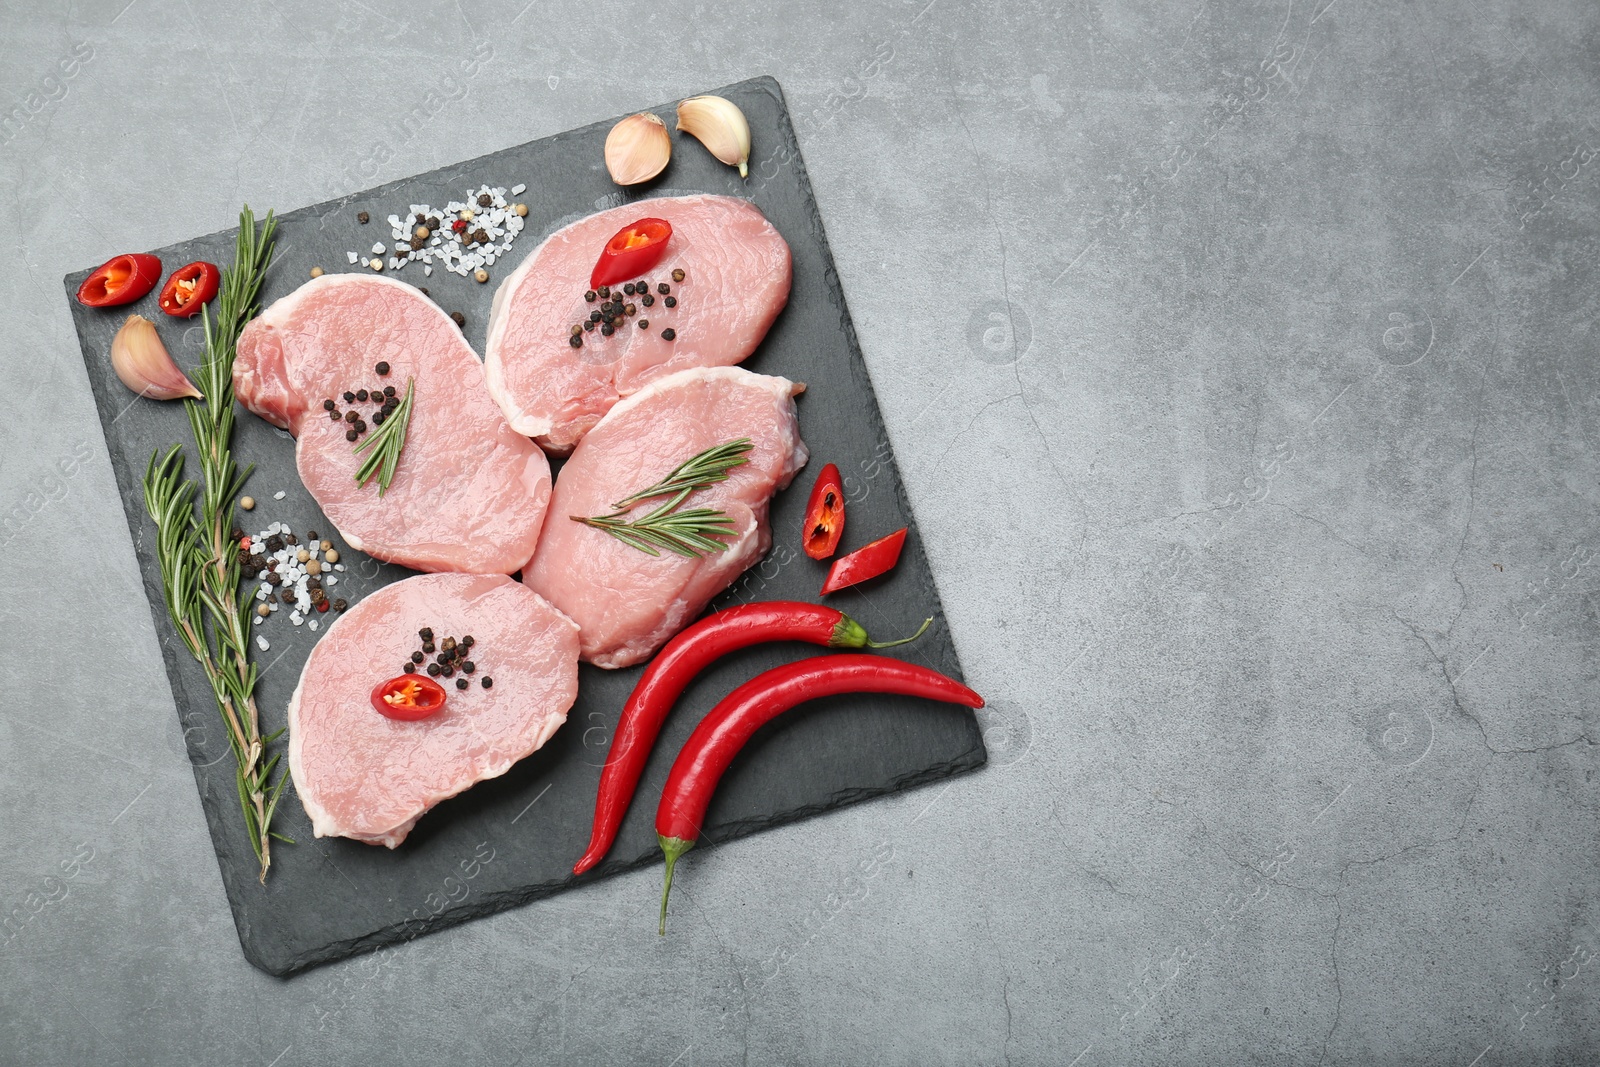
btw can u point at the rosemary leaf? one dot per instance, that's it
(386, 442)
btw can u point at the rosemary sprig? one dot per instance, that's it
(697, 472)
(386, 442)
(688, 533)
(198, 560)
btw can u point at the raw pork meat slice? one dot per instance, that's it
(737, 275)
(469, 493)
(626, 603)
(363, 775)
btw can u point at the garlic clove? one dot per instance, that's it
(144, 365)
(637, 149)
(721, 127)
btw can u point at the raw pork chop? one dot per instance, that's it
(469, 493)
(737, 274)
(627, 603)
(365, 776)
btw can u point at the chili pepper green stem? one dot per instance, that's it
(673, 847)
(848, 633)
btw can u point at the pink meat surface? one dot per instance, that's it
(363, 775)
(736, 280)
(627, 603)
(469, 493)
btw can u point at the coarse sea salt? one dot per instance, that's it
(261, 643)
(279, 495)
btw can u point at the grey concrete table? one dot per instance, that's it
(1240, 358)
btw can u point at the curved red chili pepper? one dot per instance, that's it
(631, 251)
(683, 658)
(120, 280)
(824, 515)
(865, 563)
(724, 731)
(189, 288)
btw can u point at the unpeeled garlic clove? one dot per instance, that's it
(637, 149)
(721, 127)
(144, 365)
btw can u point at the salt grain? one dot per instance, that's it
(279, 495)
(261, 643)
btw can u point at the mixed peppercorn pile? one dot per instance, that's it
(450, 657)
(618, 305)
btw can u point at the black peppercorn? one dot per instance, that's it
(363, 218)
(433, 670)
(448, 671)
(426, 633)
(352, 415)
(595, 316)
(647, 300)
(629, 289)
(644, 324)
(377, 419)
(677, 274)
(671, 301)
(351, 435)
(605, 292)
(488, 683)
(340, 604)
(382, 368)
(458, 318)
(606, 308)
(468, 667)
(416, 657)
(576, 340)
(408, 667)
(361, 395)
(361, 426)
(336, 415)
(608, 329)
(290, 539)
(484, 200)
(591, 296)
(630, 310)
(328, 405)
(669, 334)
(588, 327)
(349, 397)
(388, 390)
(641, 286)
(663, 288)
(427, 647)
(461, 683)
(468, 641)
(287, 596)
(311, 535)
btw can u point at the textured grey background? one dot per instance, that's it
(1239, 360)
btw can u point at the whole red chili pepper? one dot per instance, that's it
(723, 732)
(865, 563)
(824, 515)
(120, 280)
(683, 658)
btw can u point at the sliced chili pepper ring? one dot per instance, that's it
(190, 288)
(408, 697)
(120, 280)
(824, 515)
(631, 252)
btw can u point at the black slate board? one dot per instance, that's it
(509, 841)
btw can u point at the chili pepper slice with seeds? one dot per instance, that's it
(866, 563)
(824, 515)
(120, 280)
(408, 697)
(631, 252)
(190, 288)
(678, 664)
(724, 731)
